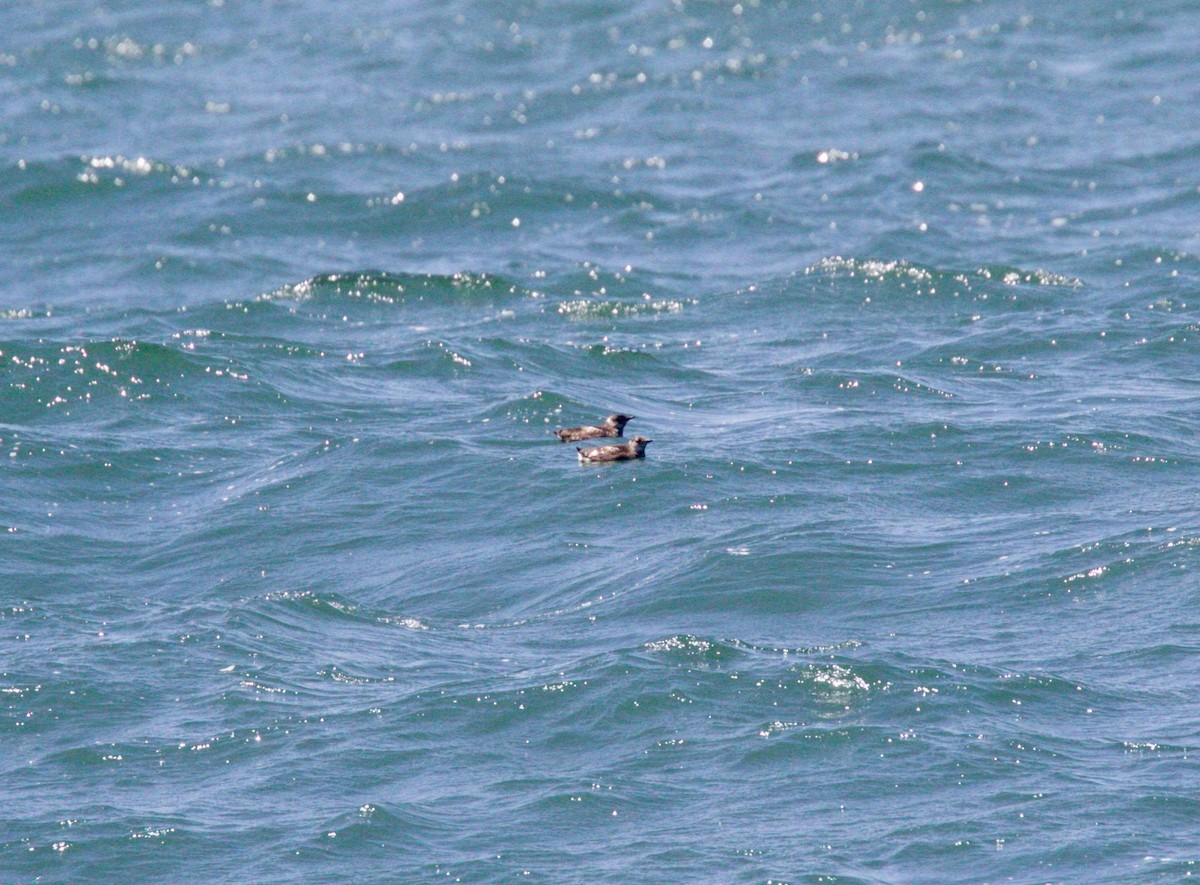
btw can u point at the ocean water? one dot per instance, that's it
(297, 585)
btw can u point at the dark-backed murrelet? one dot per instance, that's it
(614, 425)
(635, 448)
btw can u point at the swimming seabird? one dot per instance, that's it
(614, 425)
(635, 448)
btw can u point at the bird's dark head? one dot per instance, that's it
(618, 421)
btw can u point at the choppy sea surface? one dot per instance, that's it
(297, 585)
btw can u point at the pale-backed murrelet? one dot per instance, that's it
(614, 425)
(635, 448)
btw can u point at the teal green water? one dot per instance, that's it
(298, 585)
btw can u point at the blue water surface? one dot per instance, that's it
(297, 584)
